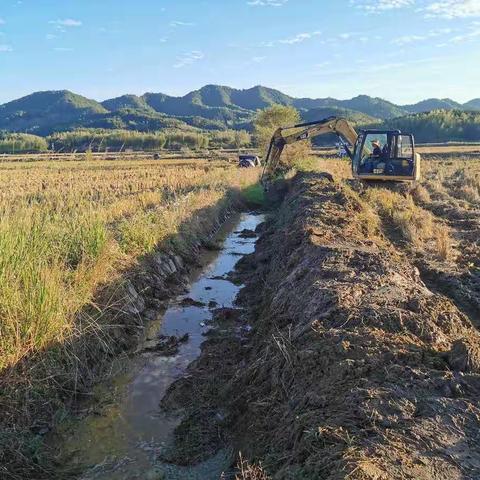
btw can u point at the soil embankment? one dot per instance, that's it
(346, 366)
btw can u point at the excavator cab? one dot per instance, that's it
(385, 155)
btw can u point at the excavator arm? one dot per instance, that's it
(305, 131)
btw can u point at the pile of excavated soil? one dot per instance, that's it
(350, 366)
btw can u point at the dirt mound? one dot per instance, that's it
(353, 367)
(356, 370)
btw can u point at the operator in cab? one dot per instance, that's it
(377, 149)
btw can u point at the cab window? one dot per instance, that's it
(374, 146)
(404, 147)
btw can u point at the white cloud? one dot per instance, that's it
(335, 41)
(406, 39)
(5, 48)
(467, 35)
(258, 59)
(189, 58)
(299, 38)
(51, 36)
(63, 49)
(378, 6)
(386, 66)
(432, 8)
(2, 21)
(66, 22)
(453, 9)
(267, 3)
(177, 23)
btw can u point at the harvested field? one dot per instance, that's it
(66, 223)
(449, 148)
(451, 194)
(77, 241)
(358, 364)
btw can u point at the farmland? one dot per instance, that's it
(70, 233)
(66, 226)
(240, 242)
(79, 235)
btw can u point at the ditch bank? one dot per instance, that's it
(124, 435)
(41, 392)
(348, 366)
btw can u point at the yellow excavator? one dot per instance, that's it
(376, 155)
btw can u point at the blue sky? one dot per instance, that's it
(402, 50)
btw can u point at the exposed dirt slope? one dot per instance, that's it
(357, 370)
(354, 368)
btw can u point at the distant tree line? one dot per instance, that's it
(118, 140)
(21, 143)
(100, 140)
(439, 126)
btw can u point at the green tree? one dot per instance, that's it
(242, 139)
(265, 124)
(98, 140)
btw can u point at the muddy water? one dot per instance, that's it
(123, 440)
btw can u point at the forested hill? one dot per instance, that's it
(212, 107)
(439, 126)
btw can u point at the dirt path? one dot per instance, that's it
(348, 366)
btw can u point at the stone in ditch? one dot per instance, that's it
(190, 302)
(246, 233)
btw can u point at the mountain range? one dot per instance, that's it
(212, 107)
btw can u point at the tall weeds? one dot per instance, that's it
(65, 229)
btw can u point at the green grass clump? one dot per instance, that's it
(308, 164)
(254, 195)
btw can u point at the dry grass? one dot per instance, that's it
(365, 215)
(339, 168)
(443, 242)
(250, 472)
(420, 194)
(468, 193)
(449, 179)
(458, 176)
(411, 220)
(66, 228)
(414, 224)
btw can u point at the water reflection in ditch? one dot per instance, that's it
(123, 442)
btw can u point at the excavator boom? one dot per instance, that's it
(305, 131)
